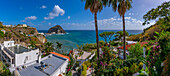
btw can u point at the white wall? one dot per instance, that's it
(9, 43)
(62, 69)
(121, 55)
(32, 56)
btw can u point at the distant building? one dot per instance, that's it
(126, 48)
(22, 25)
(8, 25)
(41, 33)
(131, 42)
(125, 38)
(3, 31)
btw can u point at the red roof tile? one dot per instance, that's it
(128, 46)
(60, 55)
(59, 75)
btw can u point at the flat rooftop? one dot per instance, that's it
(19, 49)
(54, 63)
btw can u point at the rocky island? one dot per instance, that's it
(56, 30)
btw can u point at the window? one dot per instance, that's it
(13, 61)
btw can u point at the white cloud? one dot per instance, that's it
(29, 18)
(127, 18)
(49, 23)
(108, 24)
(55, 13)
(43, 7)
(131, 14)
(68, 17)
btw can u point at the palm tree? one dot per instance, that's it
(59, 45)
(49, 47)
(95, 6)
(122, 7)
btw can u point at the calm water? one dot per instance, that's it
(78, 37)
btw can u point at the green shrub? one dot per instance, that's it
(140, 65)
(134, 68)
(101, 43)
(32, 32)
(77, 63)
(135, 51)
(1, 34)
(114, 43)
(119, 71)
(84, 70)
(126, 69)
(89, 47)
(69, 74)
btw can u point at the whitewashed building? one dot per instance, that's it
(16, 55)
(52, 65)
(28, 62)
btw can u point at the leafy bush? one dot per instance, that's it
(135, 51)
(140, 65)
(32, 32)
(89, 47)
(1, 34)
(114, 43)
(87, 63)
(84, 70)
(101, 43)
(77, 63)
(126, 69)
(134, 68)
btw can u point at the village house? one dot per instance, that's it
(127, 47)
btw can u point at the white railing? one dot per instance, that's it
(91, 56)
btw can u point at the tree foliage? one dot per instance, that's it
(59, 45)
(94, 5)
(107, 35)
(135, 51)
(33, 44)
(156, 52)
(119, 35)
(161, 12)
(49, 47)
(1, 34)
(1, 25)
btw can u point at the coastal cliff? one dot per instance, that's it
(23, 35)
(56, 30)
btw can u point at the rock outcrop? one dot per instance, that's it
(56, 30)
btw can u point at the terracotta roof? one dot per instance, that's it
(128, 46)
(60, 55)
(71, 51)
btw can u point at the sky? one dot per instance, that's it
(71, 15)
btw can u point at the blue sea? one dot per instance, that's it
(78, 37)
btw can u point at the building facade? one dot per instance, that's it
(16, 55)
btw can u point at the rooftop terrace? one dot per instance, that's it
(54, 63)
(19, 49)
